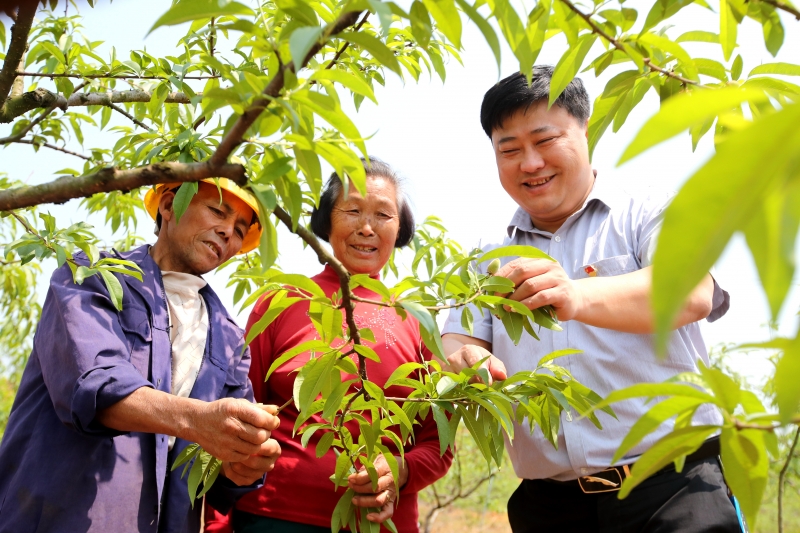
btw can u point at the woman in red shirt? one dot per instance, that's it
(298, 496)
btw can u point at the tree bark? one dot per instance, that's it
(43, 98)
(112, 179)
(16, 48)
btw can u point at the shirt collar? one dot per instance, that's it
(601, 192)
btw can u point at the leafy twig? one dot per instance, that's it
(346, 44)
(133, 119)
(34, 123)
(616, 44)
(107, 76)
(783, 6)
(53, 147)
(428, 307)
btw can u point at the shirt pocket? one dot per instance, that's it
(135, 323)
(610, 266)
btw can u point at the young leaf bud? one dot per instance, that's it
(493, 267)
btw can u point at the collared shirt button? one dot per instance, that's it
(557, 238)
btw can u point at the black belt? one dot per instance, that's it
(610, 480)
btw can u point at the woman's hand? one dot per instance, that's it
(387, 490)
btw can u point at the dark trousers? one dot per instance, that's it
(250, 523)
(695, 500)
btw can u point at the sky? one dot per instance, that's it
(430, 133)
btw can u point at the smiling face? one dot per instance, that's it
(364, 230)
(543, 162)
(209, 233)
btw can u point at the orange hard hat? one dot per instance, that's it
(250, 241)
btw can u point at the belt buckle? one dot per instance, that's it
(608, 480)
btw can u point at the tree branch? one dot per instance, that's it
(616, 44)
(29, 127)
(235, 135)
(16, 48)
(428, 307)
(52, 147)
(112, 179)
(782, 477)
(133, 119)
(43, 98)
(107, 76)
(777, 4)
(346, 44)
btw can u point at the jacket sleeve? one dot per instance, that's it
(224, 494)
(425, 465)
(83, 351)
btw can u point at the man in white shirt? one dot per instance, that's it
(603, 241)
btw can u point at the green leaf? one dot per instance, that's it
(787, 386)
(556, 354)
(514, 251)
(376, 48)
(698, 36)
(784, 69)
(443, 426)
(334, 399)
(183, 198)
(401, 371)
(712, 209)
(652, 420)
(486, 29)
(685, 62)
(200, 9)
(355, 83)
(308, 346)
(448, 21)
(744, 458)
(114, 288)
(372, 284)
(428, 327)
(186, 455)
(324, 444)
(771, 234)
(667, 449)
(314, 379)
(728, 27)
(680, 112)
(367, 352)
(736, 68)
(300, 10)
(569, 65)
(299, 281)
(326, 107)
(300, 43)
(725, 389)
(651, 390)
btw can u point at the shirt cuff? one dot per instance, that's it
(720, 302)
(481, 326)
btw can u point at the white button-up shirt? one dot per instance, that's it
(612, 234)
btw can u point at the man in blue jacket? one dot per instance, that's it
(110, 398)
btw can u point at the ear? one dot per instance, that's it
(165, 206)
(586, 129)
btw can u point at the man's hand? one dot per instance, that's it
(253, 468)
(469, 354)
(231, 429)
(541, 282)
(386, 493)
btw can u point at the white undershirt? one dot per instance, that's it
(188, 319)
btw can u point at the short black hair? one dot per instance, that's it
(321, 216)
(513, 94)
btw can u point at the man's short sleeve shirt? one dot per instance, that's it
(612, 234)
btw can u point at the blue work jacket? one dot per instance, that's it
(63, 471)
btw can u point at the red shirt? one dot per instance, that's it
(299, 488)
